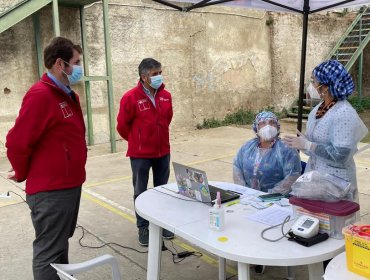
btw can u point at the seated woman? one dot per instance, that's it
(265, 163)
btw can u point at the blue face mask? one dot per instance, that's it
(156, 81)
(76, 75)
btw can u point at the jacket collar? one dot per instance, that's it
(49, 82)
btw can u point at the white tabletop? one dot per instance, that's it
(189, 220)
(337, 270)
(245, 244)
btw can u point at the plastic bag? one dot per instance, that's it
(322, 186)
(285, 186)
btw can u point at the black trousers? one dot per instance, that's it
(140, 175)
(54, 217)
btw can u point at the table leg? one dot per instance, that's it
(315, 271)
(243, 271)
(221, 268)
(290, 271)
(154, 252)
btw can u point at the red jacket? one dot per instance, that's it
(145, 127)
(47, 144)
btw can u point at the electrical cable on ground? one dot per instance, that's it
(8, 193)
(104, 243)
(182, 255)
(179, 255)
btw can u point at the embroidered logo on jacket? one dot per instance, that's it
(164, 99)
(143, 104)
(66, 110)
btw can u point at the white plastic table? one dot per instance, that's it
(240, 241)
(337, 270)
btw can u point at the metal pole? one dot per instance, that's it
(359, 78)
(56, 18)
(360, 64)
(108, 57)
(306, 10)
(37, 30)
(90, 128)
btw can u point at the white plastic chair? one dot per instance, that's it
(65, 271)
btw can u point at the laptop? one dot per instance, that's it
(193, 183)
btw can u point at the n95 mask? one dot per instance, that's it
(314, 94)
(267, 132)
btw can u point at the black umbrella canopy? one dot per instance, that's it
(297, 6)
(304, 7)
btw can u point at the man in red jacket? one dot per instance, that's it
(143, 120)
(47, 148)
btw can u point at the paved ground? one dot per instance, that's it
(107, 215)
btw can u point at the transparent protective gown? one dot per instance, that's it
(268, 170)
(336, 136)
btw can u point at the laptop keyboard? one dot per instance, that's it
(225, 195)
(213, 192)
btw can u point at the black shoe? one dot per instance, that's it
(259, 269)
(144, 236)
(166, 234)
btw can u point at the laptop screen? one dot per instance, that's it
(192, 182)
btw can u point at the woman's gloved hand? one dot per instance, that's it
(299, 142)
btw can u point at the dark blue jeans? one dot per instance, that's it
(140, 175)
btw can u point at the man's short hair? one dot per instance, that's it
(148, 64)
(59, 47)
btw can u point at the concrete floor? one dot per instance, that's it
(107, 212)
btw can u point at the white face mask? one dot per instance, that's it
(267, 133)
(314, 94)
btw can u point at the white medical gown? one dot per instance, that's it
(336, 136)
(278, 167)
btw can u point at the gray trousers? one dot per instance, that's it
(54, 217)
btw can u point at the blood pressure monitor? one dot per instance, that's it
(306, 226)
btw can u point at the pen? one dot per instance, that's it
(232, 202)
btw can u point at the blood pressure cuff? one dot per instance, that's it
(308, 241)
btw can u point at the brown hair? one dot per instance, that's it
(59, 47)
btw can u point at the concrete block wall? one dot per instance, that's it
(215, 60)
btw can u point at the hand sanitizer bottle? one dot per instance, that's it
(217, 215)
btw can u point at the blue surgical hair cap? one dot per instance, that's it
(333, 74)
(265, 115)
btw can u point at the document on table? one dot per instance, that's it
(272, 215)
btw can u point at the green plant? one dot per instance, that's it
(239, 117)
(269, 21)
(210, 123)
(360, 103)
(343, 13)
